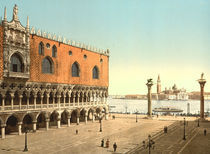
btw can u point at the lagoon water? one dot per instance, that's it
(140, 106)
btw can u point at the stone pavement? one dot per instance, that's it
(123, 130)
(173, 143)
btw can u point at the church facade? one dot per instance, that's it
(47, 80)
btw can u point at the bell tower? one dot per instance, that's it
(158, 85)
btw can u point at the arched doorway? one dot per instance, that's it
(41, 121)
(53, 118)
(11, 125)
(27, 122)
(74, 117)
(82, 116)
(64, 118)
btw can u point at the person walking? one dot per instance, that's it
(115, 146)
(204, 132)
(107, 143)
(102, 143)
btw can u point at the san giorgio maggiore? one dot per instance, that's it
(168, 94)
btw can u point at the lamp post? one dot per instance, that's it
(26, 146)
(184, 130)
(136, 117)
(149, 145)
(100, 117)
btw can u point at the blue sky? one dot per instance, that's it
(145, 37)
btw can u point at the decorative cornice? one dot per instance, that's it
(63, 40)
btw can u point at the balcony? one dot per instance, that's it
(61, 106)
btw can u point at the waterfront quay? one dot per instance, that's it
(124, 130)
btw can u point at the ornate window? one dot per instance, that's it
(16, 64)
(95, 72)
(75, 69)
(41, 48)
(47, 65)
(54, 51)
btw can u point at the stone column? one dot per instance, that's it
(20, 128)
(3, 101)
(47, 124)
(68, 120)
(35, 96)
(48, 97)
(12, 100)
(106, 115)
(3, 131)
(202, 82)
(20, 101)
(34, 126)
(74, 99)
(149, 85)
(59, 122)
(53, 99)
(86, 101)
(28, 95)
(69, 94)
(82, 98)
(93, 116)
(59, 100)
(86, 115)
(78, 115)
(78, 95)
(41, 100)
(64, 100)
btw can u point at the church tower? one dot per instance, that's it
(158, 85)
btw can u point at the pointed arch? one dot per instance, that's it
(41, 48)
(47, 65)
(95, 72)
(16, 63)
(75, 69)
(54, 51)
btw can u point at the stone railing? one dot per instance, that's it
(47, 106)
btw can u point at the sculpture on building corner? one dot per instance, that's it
(15, 12)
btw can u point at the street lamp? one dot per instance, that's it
(100, 117)
(136, 116)
(26, 146)
(184, 130)
(149, 145)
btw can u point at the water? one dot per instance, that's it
(140, 106)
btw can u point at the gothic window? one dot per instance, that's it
(47, 65)
(75, 69)
(54, 51)
(41, 48)
(95, 72)
(16, 64)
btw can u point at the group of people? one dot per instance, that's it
(107, 144)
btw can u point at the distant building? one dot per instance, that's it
(135, 97)
(171, 94)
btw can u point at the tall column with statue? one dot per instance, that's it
(202, 82)
(149, 96)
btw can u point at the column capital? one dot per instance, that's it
(3, 125)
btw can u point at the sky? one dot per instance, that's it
(145, 37)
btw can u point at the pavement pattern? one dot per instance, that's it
(172, 142)
(124, 130)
